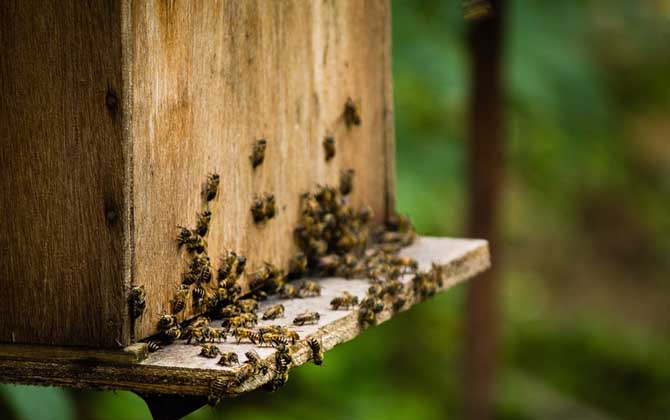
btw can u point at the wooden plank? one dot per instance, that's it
(61, 174)
(209, 78)
(177, 369)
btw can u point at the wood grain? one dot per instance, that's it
(62, 169)
(177, 369)
(209, 78)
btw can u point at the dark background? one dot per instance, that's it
(584, 251)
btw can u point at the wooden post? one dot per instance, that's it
(485, 157)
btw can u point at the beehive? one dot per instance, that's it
(112, 114)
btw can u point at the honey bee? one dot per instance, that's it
(209, 351)
(346, 182)
(278, 381)
(244, 373)
(153, 346)
(195, 334)
(393, 287)
(329, 263)
(292, 336)
(216, 389)
(329, 148)
(307, 318)
(297, 266)
(196, 244)
(228, 359)
(166, 321)
(373, 304)
(245, 333)
(288, 291)
(249, 319)
(211, 187)
(202, 225)
(376, 290)
(212, 334)
(423, 285)
(351, 114)
(248, 305)
(199, 293)
(258, 153)
(179, 300)
(173, 333)
(241, 264)
(309, 289)
(345, 301)
(185, 235)
(269, 206)
(230, 311)
(283, 358)
(201, 321)
(274, 312)
(317, 351)
(136, 301)
(410, 263)
(366, 317)
(399, 303)
(254, 360)
(258, 210)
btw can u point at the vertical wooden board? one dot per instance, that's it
(61, 174)
(211, 78)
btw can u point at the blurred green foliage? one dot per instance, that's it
(586, 232)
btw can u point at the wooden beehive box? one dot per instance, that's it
(112, 114)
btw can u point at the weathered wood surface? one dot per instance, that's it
(177, 369)
(62, 166)
(113, 113)
(210, 78)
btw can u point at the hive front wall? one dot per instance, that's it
(210, 78)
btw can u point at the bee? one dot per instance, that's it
(269, 206)
(317, 351)
(283, 358)
(329, 263)
(307, 318)
(173, 333)
(217, 334)
(179, 300)
(329, 148)
(276, 339)
(259, 278)
(196, 244)
(230, 311)
(288, 291)
(195, 334)
(277, 381)
(409, 263)
(258, 153)
(201, 321)
(245, 333)
(279, 330)
(153, 346)
(274, 312)
(136, 301)
(399, 303)
(166, 321)
(309, 289)
(351, 114)
(241, 264)
(393, 287)
(216, 389)
(211, 187)
(345, 301)
(366, 317)
(202, 225)
(248, 319)
(228, 359)
(317, 246)
(199, 293)
(347, 181)
(185, 235)
(297, 266)
(258, 210)
(248, 305)
(376, 290)
(255, 361)
(209, 351)
(423, 285)
(244, 373)
(373, 304)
